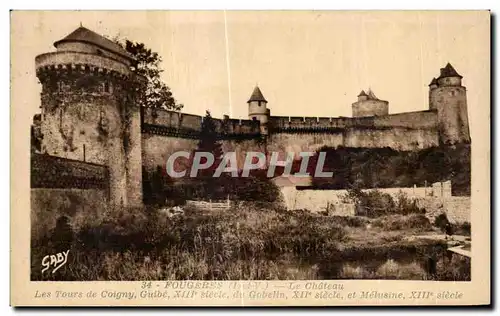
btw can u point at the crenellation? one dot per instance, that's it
(77, 60)
(278, 121)
(232, 125)
(190, 121)
(311, 121)
(296, 121)
(421, 119)
(218, 123)
(249, 127)
(324, 122)
(165, 122)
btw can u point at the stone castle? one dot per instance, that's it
(89, 114)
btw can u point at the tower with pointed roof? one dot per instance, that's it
(88, 110)
(448, 97)
(369, 105)
(257, 110)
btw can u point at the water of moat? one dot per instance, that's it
(433, 262)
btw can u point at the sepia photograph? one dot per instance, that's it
(252, 145)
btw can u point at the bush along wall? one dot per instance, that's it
(385, 168)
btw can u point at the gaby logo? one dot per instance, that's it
(57, 261)
(253, 161)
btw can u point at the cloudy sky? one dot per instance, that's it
(306, 63)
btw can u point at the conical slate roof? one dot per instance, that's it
(371, 95)
(449, 71)
(85, 35)
(256, 95)
(433, 82)
(362, 94)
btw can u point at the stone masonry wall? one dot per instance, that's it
(158, 148)
(165, 132)
(399, 138)
(436, 199)
(182, 122)
(370, 108)
(47, 205)
(305, 142)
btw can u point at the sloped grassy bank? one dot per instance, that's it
(247, 242)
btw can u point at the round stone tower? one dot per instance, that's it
(257, 110)
(449, 98)
(88, 112)
(369, 105)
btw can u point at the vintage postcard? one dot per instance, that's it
(250, 158)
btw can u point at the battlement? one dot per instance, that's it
(164, 122)
(414, 120)
(78, 60)
(409, 120)
(172, 123)
(294, 123)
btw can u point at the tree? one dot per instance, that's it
(209, 143)
(147, 63)
(210, 186)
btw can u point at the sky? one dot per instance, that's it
(307, 63)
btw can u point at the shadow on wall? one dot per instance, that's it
(48, 205)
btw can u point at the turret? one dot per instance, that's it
(88, 111)
(369, 105)
(448, 97)
(362, 96)
(257, 109)
(449, 77)
(433, 84)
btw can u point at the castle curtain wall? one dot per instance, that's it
(303, 142)
(156, 149)
(398, 138)
(165, 132)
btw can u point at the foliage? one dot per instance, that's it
(462, 229)
(247, 242)
(417, 222)
(159, 189)
(158, 186)
(147, 64)
(456, 269)
(375, 203)
(441, 221)
(209, 143)
(141, 244)
(385, 167)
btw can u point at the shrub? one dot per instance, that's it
(373, 203)
(399, 222)
(386, 167)
(406, 206)
(441, 221)
(350, 271)
(376, 203)
(462, 229)
(394, 270)
(351, 221)
(195, 246)
(457, 269)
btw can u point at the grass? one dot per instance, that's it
(251, 242)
